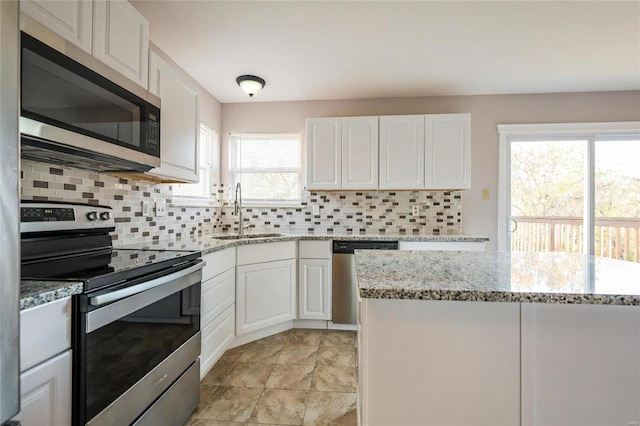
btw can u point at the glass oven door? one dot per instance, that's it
(133, 343)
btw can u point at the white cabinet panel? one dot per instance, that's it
(71, 19)
(121, 39)
(360, 153)
(314, 249)
(259, 253)
(216, 337)
(45, 331)
(265, 295)
(45, 393)
(580, 364)
(324, 148)
(402, 152)
(439, 363)
(447, 151)
(218, 262)
(314, 287)
(218, 294)
(179, 121)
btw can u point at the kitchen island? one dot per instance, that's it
(477, 338)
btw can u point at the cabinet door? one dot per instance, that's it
(402, 152)
(121, 39)
(447, 151)
(218, 294)
(324, 149)
(314, 287)
(265, 294)
(360, 153)
(216, 337)
(580, 364)
(45, 393)
(71, 19)
(179, 121)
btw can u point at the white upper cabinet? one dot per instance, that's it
(71, 19)
(360, 153)
(324, 149)
(447, 151)
(121, 38)
(179, 121)
(402, 152)
(111, 30)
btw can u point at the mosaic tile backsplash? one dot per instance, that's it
(362, 212)
(44, 182)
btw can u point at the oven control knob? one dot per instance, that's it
(105, 215)
(92, 216)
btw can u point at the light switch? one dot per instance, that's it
(144, 208)
(485, 194)
(161, 208)
(316, 210)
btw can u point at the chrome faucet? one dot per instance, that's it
(237, 210)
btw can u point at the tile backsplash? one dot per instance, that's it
(361, 212)
(40, 181)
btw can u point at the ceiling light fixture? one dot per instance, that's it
(250, 84)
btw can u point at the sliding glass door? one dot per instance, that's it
(570, 190)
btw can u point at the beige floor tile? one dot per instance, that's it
(336, 379)
(338, 338)
(231, 355)
(276, 339)
(330, 408)
(290, 377)
(208, 422)
(220, 370)
(338, 356)
(231, 404)
(280, 407)
(264, 354)
(303, 337)
(299, 355)
(250, 375)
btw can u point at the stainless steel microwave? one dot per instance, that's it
(76, 111)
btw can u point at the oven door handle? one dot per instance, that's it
(145, 295)
(103, 299)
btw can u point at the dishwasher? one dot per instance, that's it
(345, 283)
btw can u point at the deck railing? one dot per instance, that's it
(616, 238)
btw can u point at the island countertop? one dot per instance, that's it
(497, 277)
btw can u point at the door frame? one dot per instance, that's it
(557, 131)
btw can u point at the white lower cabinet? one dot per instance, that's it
(314, 286)
(580, 365)
(45, 393)
(216, 337)
(265, 294)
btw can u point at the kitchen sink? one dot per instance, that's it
(249, 236)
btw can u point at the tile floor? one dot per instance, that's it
(297, 377)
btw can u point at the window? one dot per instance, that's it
(204, 192)
(268, 166)
(571, 188)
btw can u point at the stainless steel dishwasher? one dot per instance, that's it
(345, 283)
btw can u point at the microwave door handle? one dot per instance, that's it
(134, 298)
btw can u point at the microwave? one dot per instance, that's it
(78, 112)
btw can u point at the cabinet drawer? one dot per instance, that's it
(259, 253)
(45, 331)
(216, 337)
(314, 249)
(218, 294)
(442, 245)
(218, 262)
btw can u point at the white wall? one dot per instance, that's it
(478, 217)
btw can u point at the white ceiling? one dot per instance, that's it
(360, 49)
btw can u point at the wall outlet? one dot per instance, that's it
(161, 208)
(485, 194)
(316, 210)
(415, 210)
(144, 208)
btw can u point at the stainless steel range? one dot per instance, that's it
(136, 325)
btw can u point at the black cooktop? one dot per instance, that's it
(108, 267)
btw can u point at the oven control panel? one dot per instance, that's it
(49, 216)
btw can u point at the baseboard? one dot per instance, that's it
(349, 327)
(314, 324)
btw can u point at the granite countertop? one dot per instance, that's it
(34, 293)
(497, 277)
